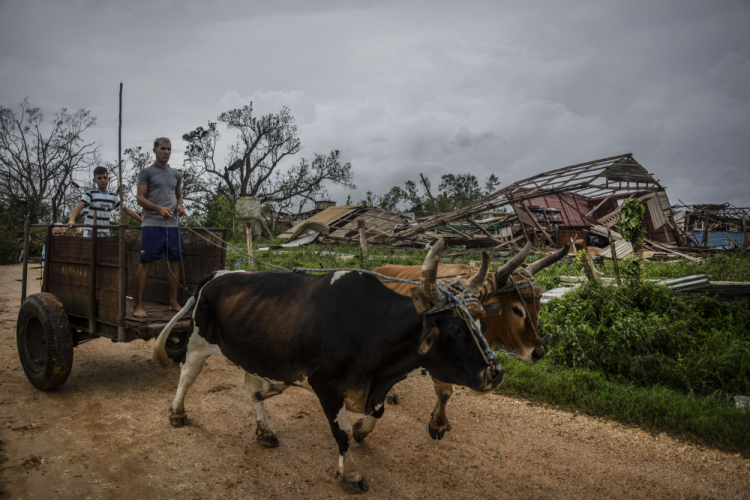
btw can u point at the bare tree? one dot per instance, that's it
(253, 165)
(37, 163)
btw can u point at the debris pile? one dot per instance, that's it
(579, 203)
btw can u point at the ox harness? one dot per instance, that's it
(454, 295)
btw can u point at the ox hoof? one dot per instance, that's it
(357, 433)
(435, 434)
(268, 441)
(355, 487)
(179, 420)
(392, 400)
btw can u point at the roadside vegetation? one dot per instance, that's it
(638, 355)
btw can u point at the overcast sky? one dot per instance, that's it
(505, 87)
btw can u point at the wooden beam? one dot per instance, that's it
(477, 250)
(533, 219)
(484, 231)
(730, 239)
(463, 235)
(122, 275)
(669, 250)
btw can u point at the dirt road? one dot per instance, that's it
(105, 434)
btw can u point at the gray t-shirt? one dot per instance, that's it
(161, 183)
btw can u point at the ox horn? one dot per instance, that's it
(428, 277)
(548, 260)
(502, 274)
(478, 281)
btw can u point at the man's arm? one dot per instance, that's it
(132, 214)
(74, 215)
(180, 209)
(142, 201)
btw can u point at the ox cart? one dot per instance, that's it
(86, 293)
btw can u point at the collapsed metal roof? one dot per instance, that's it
(584, 195)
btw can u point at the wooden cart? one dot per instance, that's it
(87, 289)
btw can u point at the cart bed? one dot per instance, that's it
(158, 314)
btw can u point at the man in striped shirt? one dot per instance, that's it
(100, 201)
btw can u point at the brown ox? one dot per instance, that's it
(512, 323)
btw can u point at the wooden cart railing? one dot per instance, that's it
(91, 276)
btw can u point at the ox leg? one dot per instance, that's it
(439, 423)
(190, 369)
(261, 389)
(335, 409)
(392, 397)
(366, 424)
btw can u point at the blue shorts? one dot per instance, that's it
(155, 239)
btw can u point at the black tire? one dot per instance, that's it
(45, 343)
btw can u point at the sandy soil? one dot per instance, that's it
(105, 434)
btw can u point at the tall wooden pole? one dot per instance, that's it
(615, 262)
(426, 188)
(249, 235)
(363, 243)
(26, 228)
(92, 276)
(705, 230)
(122, 288)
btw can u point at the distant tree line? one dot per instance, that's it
(454, 192)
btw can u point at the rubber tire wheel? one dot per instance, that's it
(44, 340)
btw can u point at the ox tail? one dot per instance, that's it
(160, 352)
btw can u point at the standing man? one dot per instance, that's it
(160, 195)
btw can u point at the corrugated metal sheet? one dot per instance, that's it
(628, 170)
(687, 283)
(562, 202)
(718, 239)
(622, 247)
(524, 217)
(657, 214)
(699, 282)
(556, 293)
(326, 217)
(602, 231)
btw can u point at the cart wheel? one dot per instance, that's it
(45, 344)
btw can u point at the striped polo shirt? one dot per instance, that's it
(101, 202)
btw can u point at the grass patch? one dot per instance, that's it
(709, 420)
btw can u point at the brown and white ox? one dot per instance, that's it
(511, 300)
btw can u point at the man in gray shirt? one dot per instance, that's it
(160, 195)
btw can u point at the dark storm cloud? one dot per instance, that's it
(401, 88)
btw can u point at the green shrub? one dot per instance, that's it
(649, 336)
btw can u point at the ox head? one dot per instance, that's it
(513, 309)
(450, 337)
